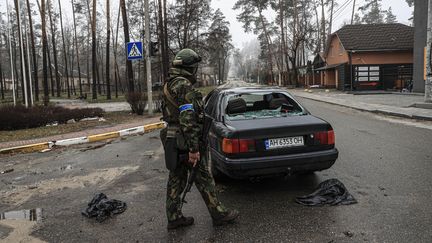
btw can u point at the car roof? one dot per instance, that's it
(242, 90)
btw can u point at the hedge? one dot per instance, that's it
(20, 117)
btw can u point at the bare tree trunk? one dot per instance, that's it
(76, 49)
(115, 42)
(107, 60)
(185, 29)
(89, 27)
(1, 82)
(15, 65)
(35, 74)
(129, 70)
(283, 44)
(54, 49)
(44, 53)
(64, 52)
(71, 61)
(165, 28)
(94, 48)
(50, 70)
(21, 56)
(323, 28)
(270, 55)
(162, 40)
(318, 27)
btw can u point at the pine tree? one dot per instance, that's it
(390, 17)
(372, 13)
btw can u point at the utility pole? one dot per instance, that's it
(147, 57)
(331, 18)
(22, 53)
(10, 52)
(428, 84)
(352, 16)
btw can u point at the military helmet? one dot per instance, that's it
(186, 58)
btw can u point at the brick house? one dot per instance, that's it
(369, 57)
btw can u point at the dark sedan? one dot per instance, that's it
(258, 132)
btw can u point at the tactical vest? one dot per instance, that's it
(170, 107)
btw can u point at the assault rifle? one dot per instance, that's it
(191, 177)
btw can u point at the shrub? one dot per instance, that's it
(137, 102)
(20, 117)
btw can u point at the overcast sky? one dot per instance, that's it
(399, 7)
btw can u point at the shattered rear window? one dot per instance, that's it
(260, 106)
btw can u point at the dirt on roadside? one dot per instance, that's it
(110, 119)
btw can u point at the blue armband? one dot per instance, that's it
(186, 107)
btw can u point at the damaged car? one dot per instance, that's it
(261, 132)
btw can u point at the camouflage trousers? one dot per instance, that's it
(205, 184)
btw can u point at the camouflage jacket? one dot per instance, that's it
(190, 111)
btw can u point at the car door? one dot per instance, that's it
(210, 116)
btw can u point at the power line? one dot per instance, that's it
(342, 6)
(342, 11)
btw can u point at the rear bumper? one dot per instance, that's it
(272, 165)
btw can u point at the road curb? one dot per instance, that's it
(82, 140)
(376, 111)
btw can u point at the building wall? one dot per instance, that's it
(420, 31)
(363, 58)
(336, 53)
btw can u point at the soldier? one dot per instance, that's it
(183, 110)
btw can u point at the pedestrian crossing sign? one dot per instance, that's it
(134, 50)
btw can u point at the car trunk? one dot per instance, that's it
(262, 130)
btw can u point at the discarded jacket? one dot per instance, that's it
(331, 192)
(102, 208)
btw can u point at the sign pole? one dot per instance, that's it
(428, 84)
(147, 57)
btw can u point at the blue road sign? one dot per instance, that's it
(134, 50)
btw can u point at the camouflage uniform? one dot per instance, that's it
(189, 116)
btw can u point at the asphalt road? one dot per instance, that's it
(386, 164)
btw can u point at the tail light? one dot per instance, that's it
(327, 137)
(235, 146)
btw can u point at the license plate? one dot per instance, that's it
(284, 142)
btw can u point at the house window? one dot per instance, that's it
(367, 74)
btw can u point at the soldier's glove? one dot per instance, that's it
(194, 158)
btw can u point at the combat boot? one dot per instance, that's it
(227, 218)
(180, 222)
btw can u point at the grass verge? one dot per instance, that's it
(112, 119)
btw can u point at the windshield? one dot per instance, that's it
(260, 106)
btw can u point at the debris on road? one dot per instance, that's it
(150, 154)
(95, 147)
(34, 214)
(89, 119)
(71, 121)
(332, 192)
(31, 187)
(6, 171)
(101, 207)
(45, 150)
(68, 167)
(348, 234)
